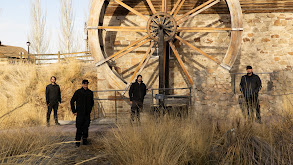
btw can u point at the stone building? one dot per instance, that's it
(266, 45)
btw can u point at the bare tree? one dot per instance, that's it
(86, 24)
(67, 37)
(38, 34)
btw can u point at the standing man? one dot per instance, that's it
(250, 86)
(53, 96)
(137, 92)
(84, 102)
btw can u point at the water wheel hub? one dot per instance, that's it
(163, 21)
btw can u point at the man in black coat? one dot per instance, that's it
(84, 100)
(250, 86)
(137, 92)
(53, 96)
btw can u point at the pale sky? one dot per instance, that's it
(15, 21)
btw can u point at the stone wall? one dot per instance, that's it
(267, 46)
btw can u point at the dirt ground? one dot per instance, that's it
(68, 153)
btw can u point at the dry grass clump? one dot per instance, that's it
(31, 146)
(146, 145)
(201, 140)
(22, 90)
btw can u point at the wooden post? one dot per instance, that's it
(58, 56)
(167, 54)
(161, 61)
(162, 64)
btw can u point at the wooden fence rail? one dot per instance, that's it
(41, 59)
(54, 58)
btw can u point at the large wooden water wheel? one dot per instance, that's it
(164, 27)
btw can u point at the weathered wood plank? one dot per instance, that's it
(203, 29)
(151, 6)
(120, 28)
(121, 51)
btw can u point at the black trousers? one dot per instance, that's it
(136, 107)
(252, 103)
(50, 107)
(82, 127)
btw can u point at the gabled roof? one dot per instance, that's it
(12, 52)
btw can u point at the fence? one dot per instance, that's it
(50, 58)
(112, 104)
(54, 58)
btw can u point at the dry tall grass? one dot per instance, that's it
(201, 140)
(22, 90)
(33, 146)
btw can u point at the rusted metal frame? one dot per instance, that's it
(180, 62)
(120, 28)
(151, 6)
(198, 50)
(178, 9)
(131, 9)
(120, 90)
(196, 10)
(131, 49)
(121, 51)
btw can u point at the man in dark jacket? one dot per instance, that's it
(53, 96)
(250, 86)
(84, 100)
(137, 92)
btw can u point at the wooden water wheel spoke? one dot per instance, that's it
(167, 33)
(121, 51)
(155, 25)
(169, 29)
(122, 28)
(131, 9)
(131, 49)
(198, 50)
(151, 6)
(203, 29)
(178, 9)
(180, 62)
(175, 7)
(140, 69)
(156, 21)
(164, 5)
(141, 63)
(196, 11)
